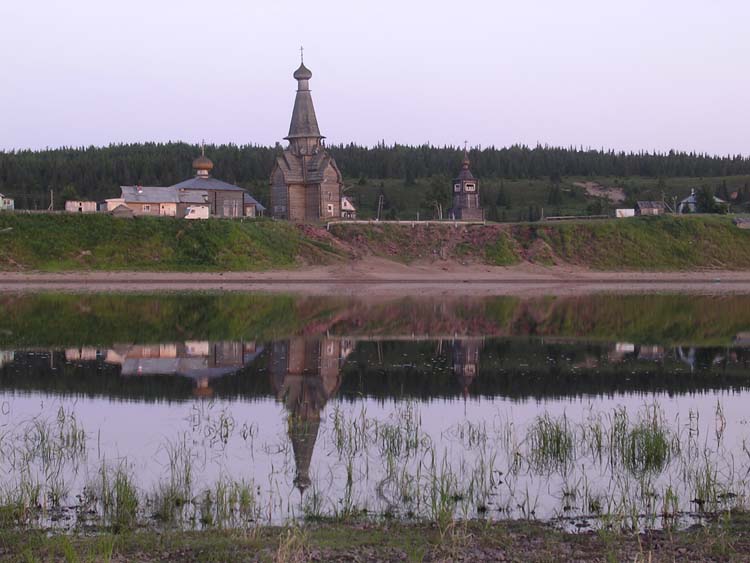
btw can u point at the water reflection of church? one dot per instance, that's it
(305, 374)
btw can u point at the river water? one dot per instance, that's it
(235, 409)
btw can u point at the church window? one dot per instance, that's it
(470, 187)
(146, 208)
(330, 209)
(456, 187)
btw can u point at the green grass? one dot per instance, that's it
(650, 243)
(100, 242)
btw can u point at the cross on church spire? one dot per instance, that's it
(301, 54)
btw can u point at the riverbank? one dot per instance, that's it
(473, 541)
(377, 277)
(83, 243)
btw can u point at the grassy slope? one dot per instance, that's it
(98, 242)
(650, 243)
(644, 243)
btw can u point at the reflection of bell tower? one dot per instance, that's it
(305, 373)
(466, 361)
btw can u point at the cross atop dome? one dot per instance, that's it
(203, 165)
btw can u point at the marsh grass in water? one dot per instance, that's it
(551, 444)
(118, 496)
(645, 447)
(613, 469)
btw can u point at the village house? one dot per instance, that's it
(348, 210)
(6, 203)
(690, 203)
(253, 208)
(649, 208)
(81, 206)
(466, 205)
(306, 184)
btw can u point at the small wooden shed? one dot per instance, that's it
(649, 208)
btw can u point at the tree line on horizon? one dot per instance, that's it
(95, 173)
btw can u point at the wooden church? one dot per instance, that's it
(306, 184)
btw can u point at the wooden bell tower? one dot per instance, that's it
(466, 205)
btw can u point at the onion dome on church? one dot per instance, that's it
(203, 165)
(302, 73)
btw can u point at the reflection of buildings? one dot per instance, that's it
(6, 357)
(466, 361)
(620, 351)
(646, 352)
(305, 373)
(651, 353)
(85, 354)
(200, 361)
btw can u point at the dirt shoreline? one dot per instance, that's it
(362, 541)
(384, 277)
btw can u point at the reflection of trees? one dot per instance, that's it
(305, 374)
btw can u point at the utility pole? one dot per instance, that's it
(51, 200)
(380, 205)
(666, 205)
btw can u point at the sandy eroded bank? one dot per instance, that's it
(383, 277)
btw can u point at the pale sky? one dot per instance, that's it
(630, 75)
